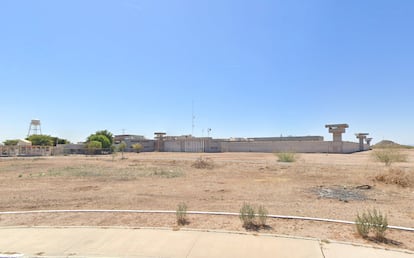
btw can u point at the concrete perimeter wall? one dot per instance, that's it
(290, 146)
(209, 145)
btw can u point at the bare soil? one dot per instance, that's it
(334, 186)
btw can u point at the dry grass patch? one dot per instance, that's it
(389, 156)
(396, 176)
(203, 163)
(286, 156)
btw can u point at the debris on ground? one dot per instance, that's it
(343, 193)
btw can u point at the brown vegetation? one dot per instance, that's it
(396, 176)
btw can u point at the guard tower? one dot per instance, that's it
(159, 137)
(337, 130)
(34, 127)
(362, 137)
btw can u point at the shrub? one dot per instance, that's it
(396, 176)
(286, 156)
(247, 215)
(262, 215)
(374, 222)
(389, 156)
(137, 147)
(379, 224)
(181, 213)
(202, 163)
(363, 225)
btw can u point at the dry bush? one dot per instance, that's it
(203, 163)
(181, 213)
(372, 221)
(396, 176)
(262, 215)
(251, 220)
(247, 215)
(286, 156)
(389, 156)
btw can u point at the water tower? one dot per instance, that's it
(34, 127)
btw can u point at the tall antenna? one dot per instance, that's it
(192, 118)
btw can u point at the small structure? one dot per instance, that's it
(337, 130)
(22, 142)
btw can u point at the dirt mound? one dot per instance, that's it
(389, 144)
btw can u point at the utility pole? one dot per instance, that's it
(193, 118)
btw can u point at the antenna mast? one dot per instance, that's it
(192, 118)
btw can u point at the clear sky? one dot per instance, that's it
(251, 68)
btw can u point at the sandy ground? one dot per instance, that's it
(159, 181)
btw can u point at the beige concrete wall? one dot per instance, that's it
(289, 146)
(172, 146)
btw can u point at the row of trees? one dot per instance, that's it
(39, 140)
(101, 140)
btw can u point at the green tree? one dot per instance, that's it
(137, 147)
(11, 142)
(106, 143)
(93, 146)
(41, 140)
(57, 140)
(107, 134)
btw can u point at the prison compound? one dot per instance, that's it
(188, 143)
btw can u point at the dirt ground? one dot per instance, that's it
(316, 185)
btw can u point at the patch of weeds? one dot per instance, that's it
(389, 156)
(203, 163)
(286, 156)
(82, 171)
(396, 176)
(372, 221)
(251, 220)
(262, 216)
(128, 173)
(363, 225)
(165, 173)
(181, 213)
(247, 215)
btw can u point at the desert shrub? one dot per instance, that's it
(363, 225)
(262, 215)
(374, 222)
(389, 156)
(202, 163)
(247, 215)
(286, 156)
(396, 176)
(379, 224)
(137, 147)
(181, 213)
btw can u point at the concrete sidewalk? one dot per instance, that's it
(123, 242)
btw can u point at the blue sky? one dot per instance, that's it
(251, 68)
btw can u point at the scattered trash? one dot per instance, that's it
(343, 193)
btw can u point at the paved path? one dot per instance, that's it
(121, 242)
